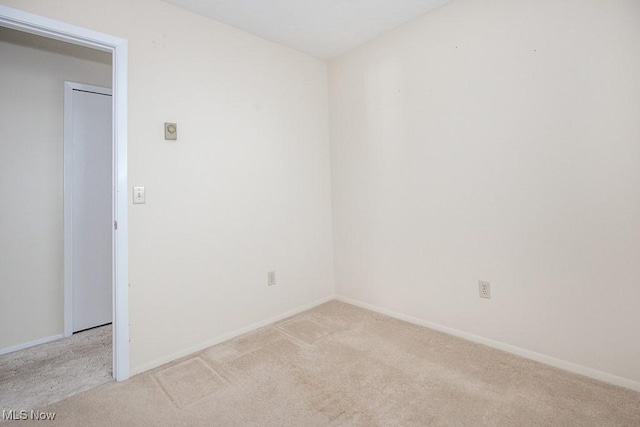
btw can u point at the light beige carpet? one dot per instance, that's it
(340, 365)
(48, 373)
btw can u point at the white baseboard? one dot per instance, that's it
(44, 340)
(538, 357)
(225, 337)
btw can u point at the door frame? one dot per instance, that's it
(118, 47)
(69, 87)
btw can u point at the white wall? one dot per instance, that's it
(244, 190)
(32, 75)
(491, 140)
(497, 140)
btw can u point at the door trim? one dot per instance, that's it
(118, 47)
(69, 87)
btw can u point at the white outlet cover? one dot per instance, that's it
(484, 289)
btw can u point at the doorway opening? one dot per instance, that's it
(117, 47)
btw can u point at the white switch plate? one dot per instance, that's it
(138, 195)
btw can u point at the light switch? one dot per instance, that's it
(138, 195)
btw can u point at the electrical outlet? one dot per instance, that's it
(485, 289)
(271, 278)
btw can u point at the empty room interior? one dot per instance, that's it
(309, 213)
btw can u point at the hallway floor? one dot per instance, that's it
(47, 373)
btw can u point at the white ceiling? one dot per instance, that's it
(322, 28)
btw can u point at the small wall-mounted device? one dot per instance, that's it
(170, 131)
(138, 195)
(485, 289)
(271, 278)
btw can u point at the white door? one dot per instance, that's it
(91, 212)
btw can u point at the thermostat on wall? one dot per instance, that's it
(170, 131)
